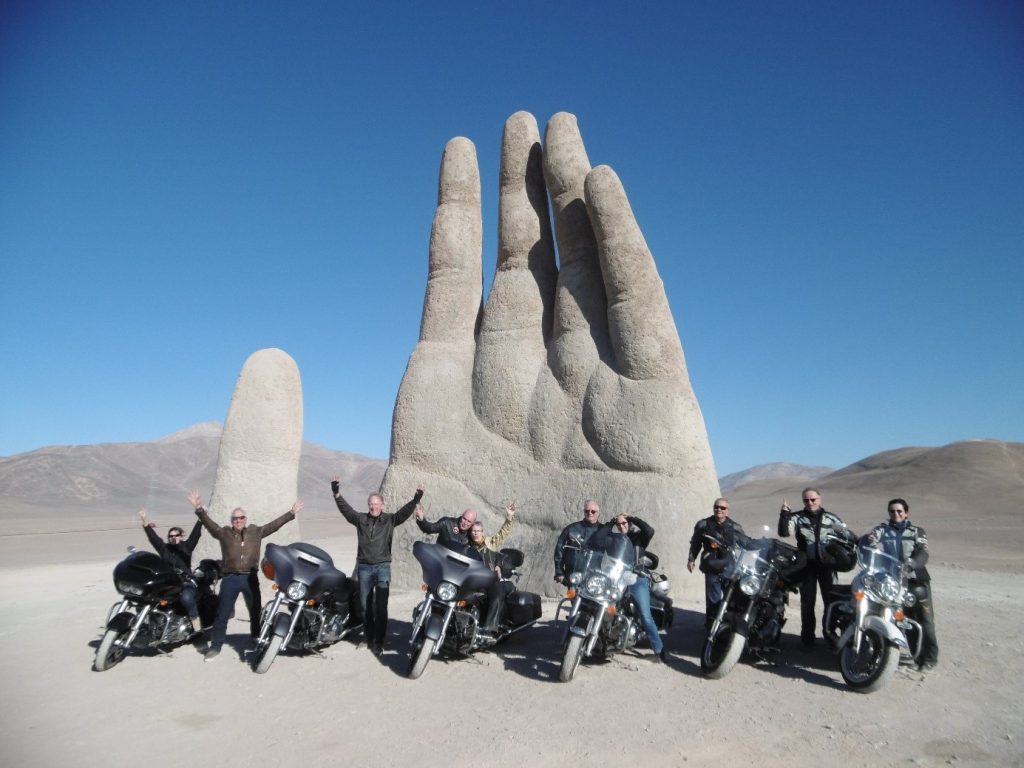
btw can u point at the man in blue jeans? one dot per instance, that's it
(240, 555)
(374, 530)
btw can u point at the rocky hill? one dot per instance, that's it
(87, 480)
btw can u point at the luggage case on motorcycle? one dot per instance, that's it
(522, 607)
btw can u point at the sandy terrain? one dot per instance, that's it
(347, 708)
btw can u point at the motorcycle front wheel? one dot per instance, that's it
(111, 649)
(721, 651)
(869, 670)
(420, 654)
(264, 660)
(571, 657)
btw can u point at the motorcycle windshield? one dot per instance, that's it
(606, 568)
(875, 561)
(752, 558)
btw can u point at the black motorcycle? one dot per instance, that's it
(759, 574)
(448, 620)
(150, 615)
(602, 618)
(313, 607)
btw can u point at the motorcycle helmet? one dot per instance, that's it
(842, 554)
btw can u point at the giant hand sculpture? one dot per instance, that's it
(568, 384)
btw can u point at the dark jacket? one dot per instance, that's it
(908, 542)
(375, 533)
(709, 526)
(240, 550)
(178, 555)
(447, 530)
(581, 531)
(640, 534)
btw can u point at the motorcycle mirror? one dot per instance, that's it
(766, 529)
(131, 549)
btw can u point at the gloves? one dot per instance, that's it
(335, 487)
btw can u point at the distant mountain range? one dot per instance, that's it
(772, 471)
(966, 493)
(73, 480)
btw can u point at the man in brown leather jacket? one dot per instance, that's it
(240, 555)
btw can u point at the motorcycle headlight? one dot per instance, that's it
(750, 585)
(889, 590)
(296, 590)
(615, 593)
(128, 589)
(447, 591)
(575, 578)
(595, 585)
(909, 600)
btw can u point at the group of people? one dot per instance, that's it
(819, 536)
(815, 529)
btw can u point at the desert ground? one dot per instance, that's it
(344, 707)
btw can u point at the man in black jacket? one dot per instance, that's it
(901, 539)
(178, 552)
(450, 530)
(374, 530)
(576, 533)
(722, 528)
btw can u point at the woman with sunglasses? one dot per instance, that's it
(178, 552)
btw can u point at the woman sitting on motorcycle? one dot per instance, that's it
(178, 553)
(640, 534)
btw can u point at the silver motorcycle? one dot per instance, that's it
(866, 623)
(601, 617)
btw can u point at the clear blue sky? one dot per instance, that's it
(833, 192)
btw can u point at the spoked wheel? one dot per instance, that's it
(721, 651)
(264, 661)
(111, 649)
(571, 657)
(870, 669)
(420, 654)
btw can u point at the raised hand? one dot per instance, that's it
(570, 382)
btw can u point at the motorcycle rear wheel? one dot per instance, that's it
(571, 658)
(420, 654)
(111, 650)
(722, 651)
(873, 666)
(264, 661)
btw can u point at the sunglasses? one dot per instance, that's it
(719, 506)
(237, 518)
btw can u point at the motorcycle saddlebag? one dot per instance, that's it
(522, 607)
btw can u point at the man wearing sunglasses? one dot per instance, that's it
(907, 542)
(177, 551)
(573, 538)
(240, 556)
(814, 527)
(719, 527)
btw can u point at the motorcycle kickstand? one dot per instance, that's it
(761, 654)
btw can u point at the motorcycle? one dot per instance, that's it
(752, 613)
(602, 619)
(456, 583)
(149, 614)
(867, 624)
(311, 607)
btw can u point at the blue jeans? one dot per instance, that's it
(714, 591)
(641, 592)
(188, 600)
(374, 588)
(231, 586)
